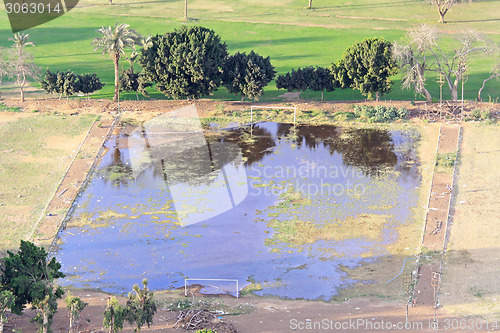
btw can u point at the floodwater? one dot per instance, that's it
(282, 209)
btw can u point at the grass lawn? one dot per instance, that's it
(36, 150)
(285, 30)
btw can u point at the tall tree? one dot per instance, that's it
(295, 80)
(21, 65)
(114, 41)
(247, 74)
(443, 6)
(367, 66)
(186, 63)
(141, 306)
(421, 53)
(322, 79)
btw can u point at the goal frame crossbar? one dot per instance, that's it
(204, 279)
(273, 107)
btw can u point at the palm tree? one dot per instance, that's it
(21, 41)
(114, 40)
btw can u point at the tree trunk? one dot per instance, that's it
(116, 59)
(377, 96)
(110, 2)
(310, 4)
(45, 324)
(428, 97)
(322, 94)
(441, 18)
(242, 97)
(1, 324)
(185, 9)
(22, 93)
(454, 93)
(70, 323)
(478, 93)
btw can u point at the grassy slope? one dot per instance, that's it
(35, 152)
(292, 35)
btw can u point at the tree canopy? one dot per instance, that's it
(185, 63)
(28, 274)
(367, 66)
(247, 74)
(295, 80)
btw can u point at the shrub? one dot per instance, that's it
(402, 113)
(485, 114)
(476, 113)
(391, 113)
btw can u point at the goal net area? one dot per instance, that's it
(211, 287)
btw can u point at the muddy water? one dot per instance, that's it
(282, 209)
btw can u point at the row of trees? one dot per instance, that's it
(193, 61)
(67, 83)
(27, 277)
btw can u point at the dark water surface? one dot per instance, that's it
(277, 206)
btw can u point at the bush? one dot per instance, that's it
(476, 113)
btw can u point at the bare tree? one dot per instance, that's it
(495, 73)
(443, 6)
(21, 66)
(421, 53)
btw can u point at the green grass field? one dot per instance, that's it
(285, 30)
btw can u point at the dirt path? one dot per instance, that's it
(48, 227)
(438, 210)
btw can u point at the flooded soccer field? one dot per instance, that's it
(285, 210)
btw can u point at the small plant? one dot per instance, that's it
(446, 160)
(412, 103)
(75, 306)
(181, 304)
(476, 113)
(485, 114)
(402, 112)
(205, 330)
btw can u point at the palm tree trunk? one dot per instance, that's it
(116, 59)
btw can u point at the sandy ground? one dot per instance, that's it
(274, 315)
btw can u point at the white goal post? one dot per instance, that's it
(186, 284)
(273, 107)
